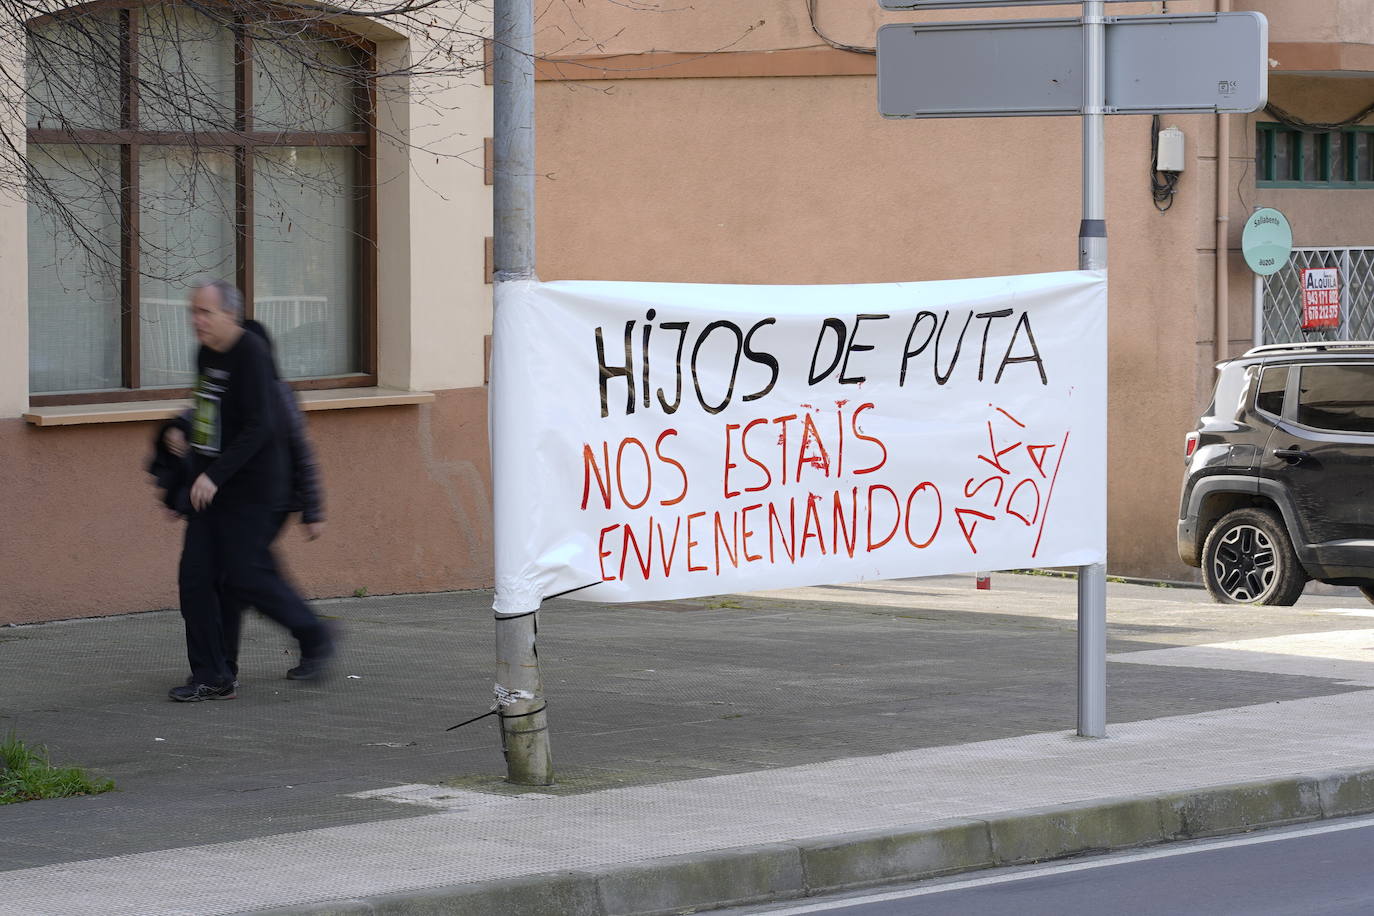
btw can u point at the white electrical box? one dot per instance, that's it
(1170, 158)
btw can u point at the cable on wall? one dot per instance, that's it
(815, 27)
(1287, 119)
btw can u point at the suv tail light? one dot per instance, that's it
(1189, 444)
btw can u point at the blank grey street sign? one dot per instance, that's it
(972, 4)
(1178, 63)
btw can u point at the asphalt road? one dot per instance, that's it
(1320, 870)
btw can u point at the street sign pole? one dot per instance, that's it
(1092, 255)
(1170, 63)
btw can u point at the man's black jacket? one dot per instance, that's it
(172, 474)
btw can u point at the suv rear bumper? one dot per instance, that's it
(1191, 533)
(1189, 544)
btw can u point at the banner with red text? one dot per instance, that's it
(661, 440)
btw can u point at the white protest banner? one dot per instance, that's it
(659, 440)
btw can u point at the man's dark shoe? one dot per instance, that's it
(194, 693)
(315, 664)
(191, 682)
(309, 669)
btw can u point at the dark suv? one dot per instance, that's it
(1280, 483)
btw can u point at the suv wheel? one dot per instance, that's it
(1248, 559)
(1368, 592)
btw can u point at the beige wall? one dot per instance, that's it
(406, 498)
(791, 180)
(14, 272)
(434, 214)
(14, 308)
(748, 180)
(710, 25)
(395, 327)
(760, 25)
(1319, 217)
(1316, 20)
(450, 217)
(406, 487)
(799, 181)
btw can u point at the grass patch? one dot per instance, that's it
(1044, 571)
(26, 775)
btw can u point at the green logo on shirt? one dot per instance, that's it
(205, 420)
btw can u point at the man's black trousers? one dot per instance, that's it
(227, 553)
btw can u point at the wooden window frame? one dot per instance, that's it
(241, 143)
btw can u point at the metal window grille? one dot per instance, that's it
(1282, 296)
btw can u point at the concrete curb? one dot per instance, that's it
(784, 871)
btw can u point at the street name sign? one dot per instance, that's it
(1170, 64)
(1266, 241)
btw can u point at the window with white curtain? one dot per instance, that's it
(168, 143)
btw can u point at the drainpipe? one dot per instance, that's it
(1222, 331)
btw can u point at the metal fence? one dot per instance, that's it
(1282, 297)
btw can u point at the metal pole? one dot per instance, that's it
(520, 689)
(524, 722)
(513, 140)
(1092, 233)
(1092, 255)
(1222, 332)
(1344, 281)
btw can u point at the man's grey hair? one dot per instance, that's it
(230, 298)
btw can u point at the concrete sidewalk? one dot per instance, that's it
(710, 752)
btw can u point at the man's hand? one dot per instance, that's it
(313, 530)
(175, 441)
(202, 492)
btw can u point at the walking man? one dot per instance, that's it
(240, 482)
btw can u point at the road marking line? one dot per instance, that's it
(1345, 611)
(1108, 862)
(1343, 655)
(444, 798)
